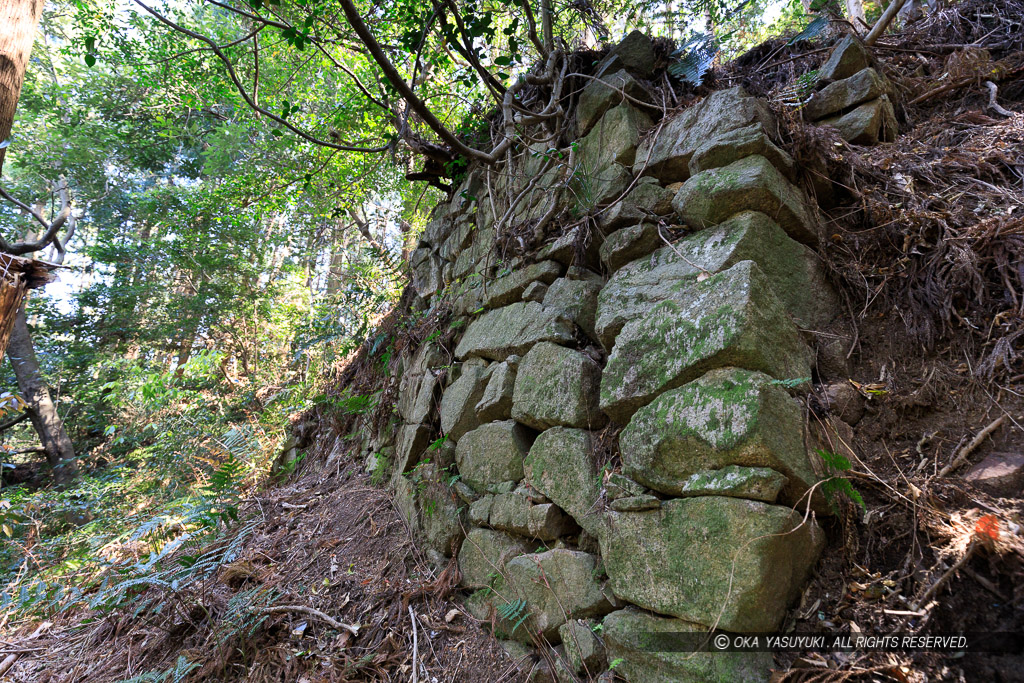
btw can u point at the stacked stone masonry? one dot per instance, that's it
(689, 350)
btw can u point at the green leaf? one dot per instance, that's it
(90, 61)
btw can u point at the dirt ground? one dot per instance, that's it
(331, 542)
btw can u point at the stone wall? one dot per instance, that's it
(614, 438)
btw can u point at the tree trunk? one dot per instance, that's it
(60, 452)
(19, 20)
(855, 11)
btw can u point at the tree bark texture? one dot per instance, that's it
(19, 20)
(60, 452)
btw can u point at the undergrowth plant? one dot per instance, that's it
(838, 486)
(164, 514)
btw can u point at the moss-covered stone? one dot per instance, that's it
(508, 288)
(412, 441)
(483, 556)
(496, 401)
(579, 246)
(666, 156)
(867, 124)
(556, 386)
(493, 454)
(584, 650)
(561, 465)
(712, 196)
(733, 563)
(792, 270)
(645, 202)
(557, 585)
(726, 417)
(629, 244)
(640, 642)
(636, 503)
(737, 144)
(754, 483)
(613, 139)
(500, 333)
(728, 319)
(457, 404)
(866, 84)
(600, 96)
(848, 57)
(576, 300)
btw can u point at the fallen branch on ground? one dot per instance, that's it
(961, 456)
(311, 611)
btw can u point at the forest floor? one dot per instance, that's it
(322, 544)
(926, 245)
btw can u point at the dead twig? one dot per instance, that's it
(993, 91)
(11, 659)
(945, 577)
(964, 452)
(415, 648)
(313, 612)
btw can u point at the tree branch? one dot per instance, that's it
(16, 420)
(396, 80)
(241, 89)
(883, 22)
(50, 229)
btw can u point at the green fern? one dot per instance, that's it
(836, 486)
(515, 610)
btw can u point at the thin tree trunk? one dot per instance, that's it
(60, 452)
(855, 11)
(19, 20)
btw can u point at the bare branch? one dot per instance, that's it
(50, 228)
(883, 22)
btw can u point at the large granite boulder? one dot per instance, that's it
(493, 454)
(613, 139)
(484, 553)
(667, 154)
(575, 300)
(729, 319)
(561, 465)
(457, 404)
(557, 585)
(656, 649)
(601, 95)
(508, 288)
(866, 84)
(512, 330)
(791, 268)
(725, 562)
(556, 386)
(726, 417)
(754, 184)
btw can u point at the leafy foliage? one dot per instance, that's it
(837, 486)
